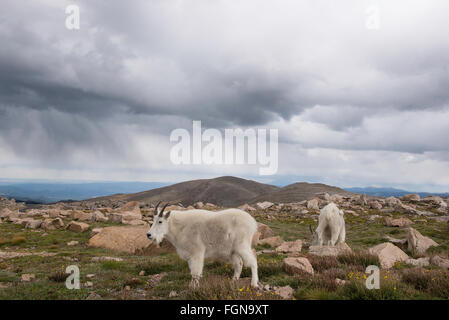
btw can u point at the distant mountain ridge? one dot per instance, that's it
(34, 192)
(388, 192)
(223, 191)
(228, 191)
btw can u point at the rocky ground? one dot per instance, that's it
(406, 237)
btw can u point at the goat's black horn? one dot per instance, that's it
(163, 208)
(155, 208)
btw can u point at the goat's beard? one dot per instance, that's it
(158, 240)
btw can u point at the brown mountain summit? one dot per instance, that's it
(298, 191)
(226, 191)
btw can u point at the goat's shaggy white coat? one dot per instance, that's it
(198, 234)
(331, 226)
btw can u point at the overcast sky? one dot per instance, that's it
(354, 106)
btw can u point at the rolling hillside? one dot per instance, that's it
(227, 191)
(297, 192)
(223, 191)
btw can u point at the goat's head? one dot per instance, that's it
(159, 228)
(314, 236)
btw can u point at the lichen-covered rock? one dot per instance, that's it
(52, 224)
(285, 292)
(417, 243)
(440, 262)
(264, 205)
(297, 265)
(313, 204)
(77, 226)
(333, 251)
(290, 247)
(393, 202)
(400, 222)
(81, 215)
(246, 207)
(131, 240)
(33, 224)
(272, 241)
(263, 232)
(388, 254)
(99, 216)
(375, 205)
(421, 262)
(412, 197)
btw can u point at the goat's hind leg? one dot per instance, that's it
(342, 235)
(250, 260)
(238, 264)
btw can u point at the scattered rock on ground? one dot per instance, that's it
(9, 254)
(81, 215)
(272, 241)
(99, 216)
(375, 205)
(131, 240)
(421, 262)
(264, 205)
(362, 200)
(27, 277)
(313, 204)
(297, 265)
(285, 292)
(388, 254)
(77, 226)
(154, 279)
(323, 251)
(417, 243)
(393, 202)
(132, 207)
(395, 241)
(264, 230)
(93, 296)
(440, 262)
(95, 231)
(98, 259)
(52, 224)
(411, 197)
(33, 224)
(400, 222)
(374, 217)
(246, 207)
(172, 294)
(290, 247)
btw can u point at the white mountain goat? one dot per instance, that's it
(198, 234)
(331, 226)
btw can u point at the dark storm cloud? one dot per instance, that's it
(147, 67)
(149, 58)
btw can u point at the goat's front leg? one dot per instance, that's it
(196, 263)
(320, 239)
(335, 234)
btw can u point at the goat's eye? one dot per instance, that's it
(160, 221)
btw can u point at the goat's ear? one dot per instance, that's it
(167, 215)
(342, 212)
